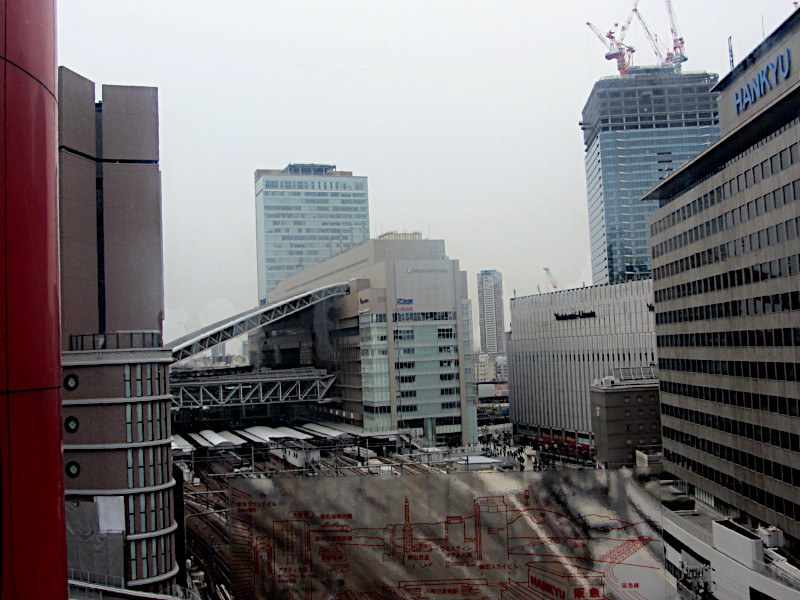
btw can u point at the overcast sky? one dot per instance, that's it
(463, 114)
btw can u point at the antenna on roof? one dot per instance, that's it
(730, 50)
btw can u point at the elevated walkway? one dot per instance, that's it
(208, 337)
(257, 388)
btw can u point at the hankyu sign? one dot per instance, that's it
(763, 81)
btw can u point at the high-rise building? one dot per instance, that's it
(726, 267)
(400, 343)
(561, 342)
(305, 214)
(116, 401)
(637, 130)
(490, 312)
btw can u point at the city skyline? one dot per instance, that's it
(439, 108)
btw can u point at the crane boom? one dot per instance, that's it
(651, 38)
(550, 278)
(624, 29)
(600, 35)
(677, 40)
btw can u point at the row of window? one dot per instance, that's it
(294, 184)
(741, 214)
(757, 240)
(150, 558)
(660, 122)
(765, 140)
(408, 407)
(149, 512)
(752, 492)
(424, 316)
(760, 305)
(750, 400)
(372, 318)
(448, 421)
(405, 364)
(640, 427)
(346, 229)
(311, 238)
(773, 269)
(649, 91)
(150, 472)
(403, 334)
(757, 433)
(752, 338)
(776, 371)
(774, 164)
(145, 379)
(151, 422)
(756, 463)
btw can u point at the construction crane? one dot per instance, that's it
(662, 60)
(550, 278)
(617, 50)
(679, 55)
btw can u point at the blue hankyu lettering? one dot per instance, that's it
(761, 83)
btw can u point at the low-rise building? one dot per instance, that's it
(625, 416)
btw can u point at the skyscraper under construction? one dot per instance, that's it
(638, 129)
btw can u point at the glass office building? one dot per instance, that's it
(638, 129)
(305, 214)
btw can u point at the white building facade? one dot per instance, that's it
(305, 214)
(561, 342)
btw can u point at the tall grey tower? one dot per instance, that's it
(490, 312)
(638, 129)
(305, 214)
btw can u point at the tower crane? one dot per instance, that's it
(617, 50)
(550, 278)
(679, 55)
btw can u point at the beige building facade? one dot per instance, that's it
(726, 258)
(400, 342)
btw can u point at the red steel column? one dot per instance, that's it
(33, 543)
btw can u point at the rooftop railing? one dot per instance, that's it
(116, 340)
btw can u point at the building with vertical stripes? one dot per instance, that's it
(561, 342)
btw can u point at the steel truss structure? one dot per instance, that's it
(220, 332)
(250, 389)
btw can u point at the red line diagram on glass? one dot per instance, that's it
(504, 549)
